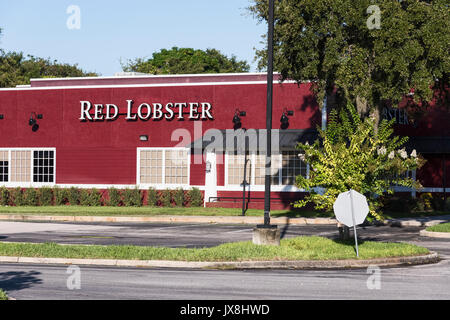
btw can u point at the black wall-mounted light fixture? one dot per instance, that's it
(285, 118)
(237, 118)
(33, 122)
(1, 117)
(143, 137)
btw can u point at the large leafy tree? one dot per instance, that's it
(352, 155)
(18, 69)
(335, 44)
(186, 61)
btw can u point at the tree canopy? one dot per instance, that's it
(334, 44)
(186, 61)
(18, 69)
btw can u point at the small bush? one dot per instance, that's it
(115, 197)
(17, 197)
(166, 198)
(61, 196)
(4, 196)
(178, 197)
(85, 197)
(95, 198)
(31, 197)
(132, 198)
(152, 197)
(73, 196)
(195, 197)
(45, 195)
(447, 205)
(427, 199)
(394, 203)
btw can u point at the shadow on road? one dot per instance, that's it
(18, 280)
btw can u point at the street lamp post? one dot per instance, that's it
(269, 115)
(267, 233)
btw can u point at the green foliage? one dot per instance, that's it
(16, 69)
(90, 198)
(329, 42)
(166, 198)
(351, 155)
(186, 61)
(3, 295)
(178, 197)
(4, 196)
(132, 198)
(195, 197)
(45, 196)
(31, 197)
(73, 196)
(152, 197)
(115, 198)
(17, 197)
(61, 195)
(85, 197)
(95, 198)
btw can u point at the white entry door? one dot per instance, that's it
(210, 176)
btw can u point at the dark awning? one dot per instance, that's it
(233, 140)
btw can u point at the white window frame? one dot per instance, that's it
(30, 184)
(274, 187)
(163, 185)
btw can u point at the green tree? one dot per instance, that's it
(186, 61)
(350, 154)
(335, 44)
(18, 69)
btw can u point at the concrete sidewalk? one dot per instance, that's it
(403, 222)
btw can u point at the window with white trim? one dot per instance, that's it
(20, 166)
(161, 166)
(291, 167)
(4, 166)
(285, 167)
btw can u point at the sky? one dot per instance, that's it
(111, 31)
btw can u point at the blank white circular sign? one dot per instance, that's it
(343, 208)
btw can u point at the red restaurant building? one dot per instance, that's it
(179, 131)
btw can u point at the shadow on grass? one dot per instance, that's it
(18, 280)
(350, 242)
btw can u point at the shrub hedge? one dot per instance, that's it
(47, 196)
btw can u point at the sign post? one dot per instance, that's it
(356, 203)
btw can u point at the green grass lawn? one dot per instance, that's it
(300, 248)
(152, 211)
(443, 227)
(182, 211)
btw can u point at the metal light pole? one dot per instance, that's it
(267, 234)
(269, 115)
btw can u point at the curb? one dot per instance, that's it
(300, 264)
(432, 234)
(416, 222)
(172, 219)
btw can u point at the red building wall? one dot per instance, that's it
(104, 152)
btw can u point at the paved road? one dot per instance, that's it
(190, 235)
(49, 282)
(155, 234)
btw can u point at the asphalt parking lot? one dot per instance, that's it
(191, 235)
